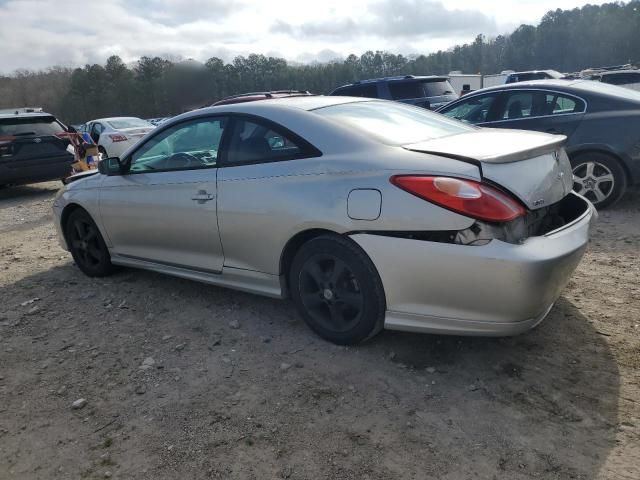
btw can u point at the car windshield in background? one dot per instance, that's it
(129, 123)
(393, 123)
(30, 126)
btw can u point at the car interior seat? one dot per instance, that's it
(515, 110)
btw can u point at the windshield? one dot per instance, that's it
(129, 123)
(30, 126)
(393, 123)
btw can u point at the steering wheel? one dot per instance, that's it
(183, 160)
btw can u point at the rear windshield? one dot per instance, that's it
(30, 126)
(406, 89)
(129, 123)
(393, 123)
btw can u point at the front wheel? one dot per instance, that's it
(599, 178)
(87, 245)
(337, 290)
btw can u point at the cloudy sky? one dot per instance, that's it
(42, 33)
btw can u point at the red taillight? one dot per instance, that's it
(467, 197)
(118, 137)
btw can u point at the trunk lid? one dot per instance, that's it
(532, 166)
(135, 133)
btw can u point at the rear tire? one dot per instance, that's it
(337, 290)
(87, 246)
(599, 177)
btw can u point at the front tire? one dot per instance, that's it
(598, 177)
(337, 290)
(87, 246)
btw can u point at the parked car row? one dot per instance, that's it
(598, 120)
(335, 183)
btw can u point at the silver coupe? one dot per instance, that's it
(368, 214)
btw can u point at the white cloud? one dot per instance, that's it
(41, 33)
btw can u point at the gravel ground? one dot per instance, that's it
(184, 380)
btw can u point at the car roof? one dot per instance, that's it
(26, 115)
(578, 87)
(548, 83)
(549, 71)
(614, 72)
(396, 79)
(267, 95)
(109, 119)
(299, 103)
(310, 102)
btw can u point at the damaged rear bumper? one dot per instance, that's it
(495, 289)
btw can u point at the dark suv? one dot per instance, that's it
(424, 91)
(31, 150)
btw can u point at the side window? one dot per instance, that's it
(406, 90)
(96, 130)
(254, 142)
(473, 110)
(188, 145)
(622, 78)
(521, 105)
(560, 104)
(370, 90)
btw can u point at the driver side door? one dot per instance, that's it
(163, 210)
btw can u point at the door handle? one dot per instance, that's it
(202, 196)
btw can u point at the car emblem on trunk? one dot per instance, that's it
(37, 140)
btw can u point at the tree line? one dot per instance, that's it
(565, 40)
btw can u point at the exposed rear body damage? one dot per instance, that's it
(536, 170)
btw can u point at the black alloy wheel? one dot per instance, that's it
(337, 290)
(87, 246)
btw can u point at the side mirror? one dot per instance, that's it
(110, 166)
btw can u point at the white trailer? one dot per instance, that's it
(497, 79)
(464, 83)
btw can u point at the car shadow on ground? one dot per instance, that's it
(9, 195)
(540, 404)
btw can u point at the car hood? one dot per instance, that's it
(533, 166)
(80, 176)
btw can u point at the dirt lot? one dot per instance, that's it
(184, 380)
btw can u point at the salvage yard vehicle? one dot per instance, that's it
(255, 96)
(115, 135)
(602, 123)
(367, 213)
(31, 150)
(423, 91)
(629, 78)
(516, 77)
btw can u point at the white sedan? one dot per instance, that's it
(116, 134)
